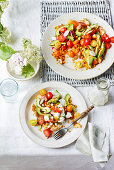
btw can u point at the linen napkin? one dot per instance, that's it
(94, 142)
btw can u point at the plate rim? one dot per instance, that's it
(65, 74)
(25, 127)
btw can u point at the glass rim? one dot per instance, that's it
(103, 79)
(13, 81)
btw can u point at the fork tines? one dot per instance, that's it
(57, 135)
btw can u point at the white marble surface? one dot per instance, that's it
(17, 151)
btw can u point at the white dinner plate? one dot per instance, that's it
(26, 115)
(68, 70)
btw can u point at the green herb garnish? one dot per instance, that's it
(28, 71)
(5, 51)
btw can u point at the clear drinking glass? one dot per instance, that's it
(9, 89)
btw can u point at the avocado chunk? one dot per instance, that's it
(67, 98)
(70, 27)
(79, 34)
(71, 38)
(57, 31)
(89, 58)
(91, 48)
(41, 109)
(102, 50)
(98, 44)
(55, 100)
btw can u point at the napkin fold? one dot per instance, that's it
(95, 142)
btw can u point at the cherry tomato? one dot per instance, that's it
(112, 39)
(56, 53)
(69, 108)
(75, 23)
(47, 132)
(58, 110)
(61, 38)
(69, 43)
(106, 38)
(43, 92)
(95, 62)
(70, 53)
(49, 95)
(87, 41)
(87, 36)
(62, 30)
(107, 45)
(40, 120)
(63, 47)
(82, 42)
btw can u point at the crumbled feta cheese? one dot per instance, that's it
(62, 102)
(56, 114)
(46, 118)
(61, 119)
(92, 53)
(53, 38)
(66, 33)
(68, 115)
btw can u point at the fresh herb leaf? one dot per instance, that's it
(28, 71)
(6, 52)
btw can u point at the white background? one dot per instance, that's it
(17, 151)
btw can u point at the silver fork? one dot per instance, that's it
(60, 133)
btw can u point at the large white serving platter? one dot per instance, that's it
(67, 70)
(26, 115)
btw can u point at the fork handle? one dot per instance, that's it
(82, 115)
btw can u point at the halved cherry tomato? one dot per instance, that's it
(112, 39)
(87, 41)
(75, 23)
(40, 120)
(49, 95)
(70, 53)
(61, 38)
(62, 30)
(87, 36)
(63, 47)
(95, 62)
(69, 43)
(47, 132)
(106, 38)
(107, 45)
(56, 53)
(69, 108)
(82, 42)
(58, 110)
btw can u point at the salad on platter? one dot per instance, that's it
(52, 110)
(85, 43)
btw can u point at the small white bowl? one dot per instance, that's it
(20, 77)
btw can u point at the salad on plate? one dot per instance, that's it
(85, 43)
(52, 111)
